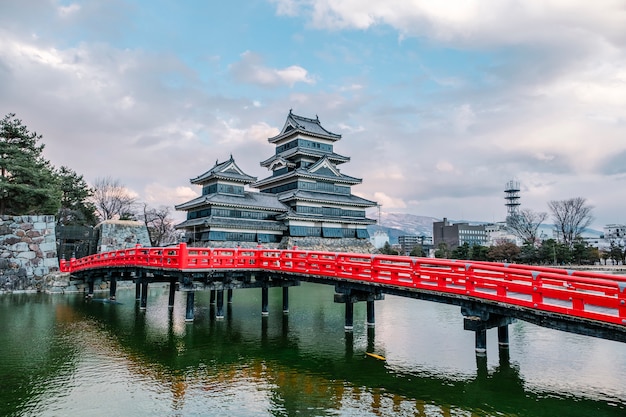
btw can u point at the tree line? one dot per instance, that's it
(30, 184)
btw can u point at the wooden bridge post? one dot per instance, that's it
(112, 286)
(503, 337)
(479, 320)
(229, 296)
(264, 301)
(90, 285)
(189, 310)
(285, 300)
(349, 316)
(172, 294)
(138, 289)
(371, 321)
(481, 341)
(144, 294)
(219, 314)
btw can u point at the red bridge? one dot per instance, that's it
(489, 294)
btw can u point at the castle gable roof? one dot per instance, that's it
(298, 124)
(227, 170)
(324, 167)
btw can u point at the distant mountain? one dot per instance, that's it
(398, 224)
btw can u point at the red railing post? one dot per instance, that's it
(183, 255)
(537, 289)
(621, 285)
(469, 279)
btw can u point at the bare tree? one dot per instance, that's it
(570, 217)
(525, 224)
(112, 199)
(160, 225)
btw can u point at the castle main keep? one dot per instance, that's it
(305, 202)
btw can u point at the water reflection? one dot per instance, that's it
(153, 362)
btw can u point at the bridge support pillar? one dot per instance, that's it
(144, 294)
(371, 320)
(172, 294)
(264, 301)
(229, 296)
(479, 320)
(189, 309)
(503, 337)
(349, 296)
(349, 316)
(90, 285)
(212, 297)
(481, 341)
(137, 289)
(112, 287)
(285, 300)
(219, 313)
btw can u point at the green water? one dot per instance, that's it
(64, 356)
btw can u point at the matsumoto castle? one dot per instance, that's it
(305, 202)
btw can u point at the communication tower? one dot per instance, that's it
(511, 191)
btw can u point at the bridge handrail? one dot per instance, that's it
(582, 294)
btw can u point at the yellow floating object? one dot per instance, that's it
(373, 355)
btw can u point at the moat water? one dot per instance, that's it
(64, 356)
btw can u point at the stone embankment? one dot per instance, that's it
(304, 243)
(28, 252)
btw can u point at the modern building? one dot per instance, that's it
(409, 242)
(457, 234)
(305, 197)
(615, 232)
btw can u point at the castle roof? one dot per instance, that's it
(298, 124)
(249, 200)
(334, 157)
(227, 222)
(323, 169)
(227, 170)
(326, 198)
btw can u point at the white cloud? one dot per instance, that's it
(250, 69)
(389, 202)
(468, 21)
(65, 11)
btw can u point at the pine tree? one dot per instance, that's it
(28, 184)
(76, 207)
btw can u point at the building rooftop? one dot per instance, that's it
(252, 200)
(298, 124)
(227, 170)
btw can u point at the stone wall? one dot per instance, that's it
(352, 245)
(121, 234)
(28, 252)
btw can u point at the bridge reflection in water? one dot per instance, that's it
(301, 365)
(103, 358)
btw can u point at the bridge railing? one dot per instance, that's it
(583, 294)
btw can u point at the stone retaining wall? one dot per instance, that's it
(352, 245)
(28, 252)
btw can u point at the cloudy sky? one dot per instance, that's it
(440, 104)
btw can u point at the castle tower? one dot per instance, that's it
(306, 179)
